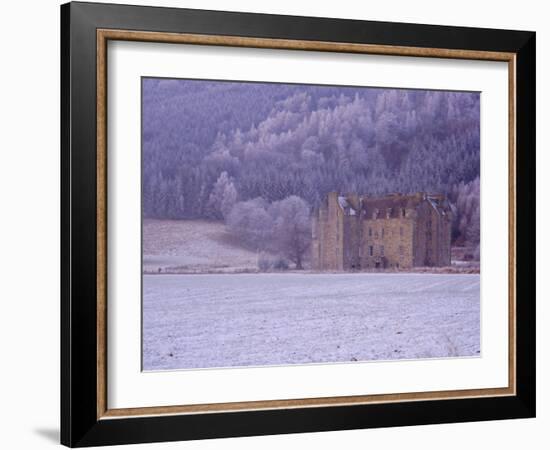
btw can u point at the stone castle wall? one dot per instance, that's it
(328, 236)
(418, 235)
(387, 243)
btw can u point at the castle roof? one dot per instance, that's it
(346, 206)
(393, 205)
(389, 206)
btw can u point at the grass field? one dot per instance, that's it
(224, 320)
(193, 246)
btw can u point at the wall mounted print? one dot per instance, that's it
(275, 224)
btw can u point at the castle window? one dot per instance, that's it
(371, 250)
(382, 232)
(402, 212)
(381, 250)
(370, 232)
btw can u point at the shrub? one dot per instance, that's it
(280, 264)
(476, 253)
(264, 263)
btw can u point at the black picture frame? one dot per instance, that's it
(80, 425)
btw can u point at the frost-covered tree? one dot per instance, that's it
(466, 198)
(223, 197)
(282, 227)
(251, 223)
(291, 233)
(275, 141)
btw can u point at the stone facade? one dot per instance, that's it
(355, 232)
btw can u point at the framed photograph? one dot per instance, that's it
(277, 224)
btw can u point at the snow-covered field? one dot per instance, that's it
(193, 246)
(223, 320)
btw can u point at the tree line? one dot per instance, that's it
(211, 146)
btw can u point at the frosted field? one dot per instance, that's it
(223, 320)
(193, 246)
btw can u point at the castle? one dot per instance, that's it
(355, 232)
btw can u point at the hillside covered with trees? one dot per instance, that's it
(211, 147)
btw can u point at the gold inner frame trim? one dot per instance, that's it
(103, 36)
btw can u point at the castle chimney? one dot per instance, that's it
(332, 202)
(353, 200)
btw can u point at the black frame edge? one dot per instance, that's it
(234, 23)
(526, 224)
(78, 219)
(65, 417)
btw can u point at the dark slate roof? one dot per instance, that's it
(392, 205)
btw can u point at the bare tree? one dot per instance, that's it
(291, 233)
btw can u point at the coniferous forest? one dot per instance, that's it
(209, 147)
